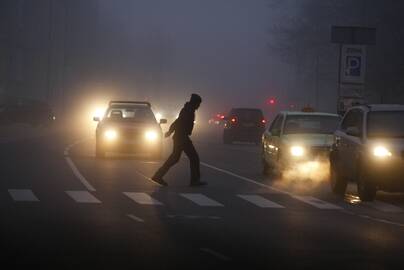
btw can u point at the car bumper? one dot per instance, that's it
(131, 146)
(245, 134)
(387, 174)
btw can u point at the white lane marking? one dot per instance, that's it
(193, 217)
(384, 207)
(260, 201)
(142, 198)
(244, 178)
(77, 173)
(307, 199)
(200, 199)
(135, 218)
(82, 196)
(73, 167)
(215, 254)
(317, 202)
(382, 220)
(23, 195)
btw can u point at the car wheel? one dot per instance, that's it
(99, 151)
(366, 190)
(267, 169)
(338, 183)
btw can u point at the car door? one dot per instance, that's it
(349, 142)
(272, 139)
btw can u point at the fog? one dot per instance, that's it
(234, 53)
(166, 50)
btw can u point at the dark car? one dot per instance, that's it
(244, 124)
(129, 127)
(369, 150)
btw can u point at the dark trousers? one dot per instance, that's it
(182, 144)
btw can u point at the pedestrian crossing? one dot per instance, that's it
(260, 201)
(82, 196)
(202, 200)
(142, 198)
(23, 195)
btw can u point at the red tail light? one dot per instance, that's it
(263, 121)
(233, 120)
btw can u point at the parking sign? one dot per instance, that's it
(353, 64)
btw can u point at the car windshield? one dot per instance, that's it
(386, 124)
(311, 124)
(248, 115)
(133, 113)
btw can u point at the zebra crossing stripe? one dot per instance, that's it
(260, 201)
(23, 195)
(82, 196)
(201, 199)
(317, 203)
(142, 198)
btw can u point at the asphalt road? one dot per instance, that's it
(62, 208)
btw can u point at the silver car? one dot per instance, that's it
(369, 150)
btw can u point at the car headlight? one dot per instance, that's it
(151, 135)
(381, 152)
(110, 134)
(297, 151)
(159, 116)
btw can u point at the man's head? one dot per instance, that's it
(195, 100)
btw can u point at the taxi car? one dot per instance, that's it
(128, 126)
(297, 137)
(369, 150)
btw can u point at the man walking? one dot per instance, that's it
(182, 129)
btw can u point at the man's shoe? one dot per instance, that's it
(197, 183)
(159, 181)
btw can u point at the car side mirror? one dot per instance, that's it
(353, 131)
(163, 121)
(96, 119)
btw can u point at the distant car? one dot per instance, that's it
(369, 150)
(244, 124)
(217, 119)
(129, 127)
(295, 137)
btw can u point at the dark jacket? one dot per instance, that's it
(184, 124)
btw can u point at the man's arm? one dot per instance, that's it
(172, 128)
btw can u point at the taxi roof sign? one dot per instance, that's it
(308, 109)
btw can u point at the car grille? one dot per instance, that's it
(130, 134)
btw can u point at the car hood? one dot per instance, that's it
(129, 125)
(309, 139)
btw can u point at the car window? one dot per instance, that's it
(354, 118)
(311, 124)
(136, 114)
(248, 115)
(276, 126)
(385, 124)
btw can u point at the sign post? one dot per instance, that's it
(352, 63)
